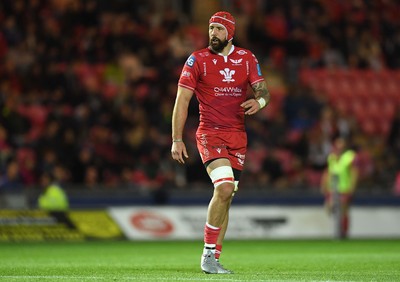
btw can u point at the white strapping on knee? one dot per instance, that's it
(222, 174)
(236, 187)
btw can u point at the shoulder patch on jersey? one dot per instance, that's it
(259, 70)
(190, 61)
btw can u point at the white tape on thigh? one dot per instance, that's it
(222, 174)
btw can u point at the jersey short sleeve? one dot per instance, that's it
(190, 73)
(255, 74)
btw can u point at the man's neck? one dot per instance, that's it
(227, 50)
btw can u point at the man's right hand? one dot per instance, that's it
(178, 151)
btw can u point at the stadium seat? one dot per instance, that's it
(369, 126)
(384, 126)
(376, 88)
(371, 96)
(37, 115)
(358, 107)
(373, 109)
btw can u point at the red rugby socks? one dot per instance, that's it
(211, 234)
(218, 250)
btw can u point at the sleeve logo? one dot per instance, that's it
(185, 74)
(190, 61)
(259, 70)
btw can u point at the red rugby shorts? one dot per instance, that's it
(229, 145)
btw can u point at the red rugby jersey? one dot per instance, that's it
(220, 84)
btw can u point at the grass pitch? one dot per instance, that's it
(353, 260)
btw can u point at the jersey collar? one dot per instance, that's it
(230, 51)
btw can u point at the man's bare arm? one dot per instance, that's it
(261, 91)
(179, 116)
(180, 112)
(261, 98)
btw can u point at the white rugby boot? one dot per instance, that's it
(223, 270)
(210, 265)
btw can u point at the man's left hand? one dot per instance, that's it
(251, 106)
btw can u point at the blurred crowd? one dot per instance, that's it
(87, 90)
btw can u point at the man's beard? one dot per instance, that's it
(218, 45)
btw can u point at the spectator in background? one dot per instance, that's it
(11, 186)
(272, 173)
(84, 159)
(394, 134)
(6, 150)
(13, 122)
(396, 185)
(92, 177)
(28, 166)
(301, 108)
(339, 182)
(394, 143)
(10, 178)
(53, 197)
